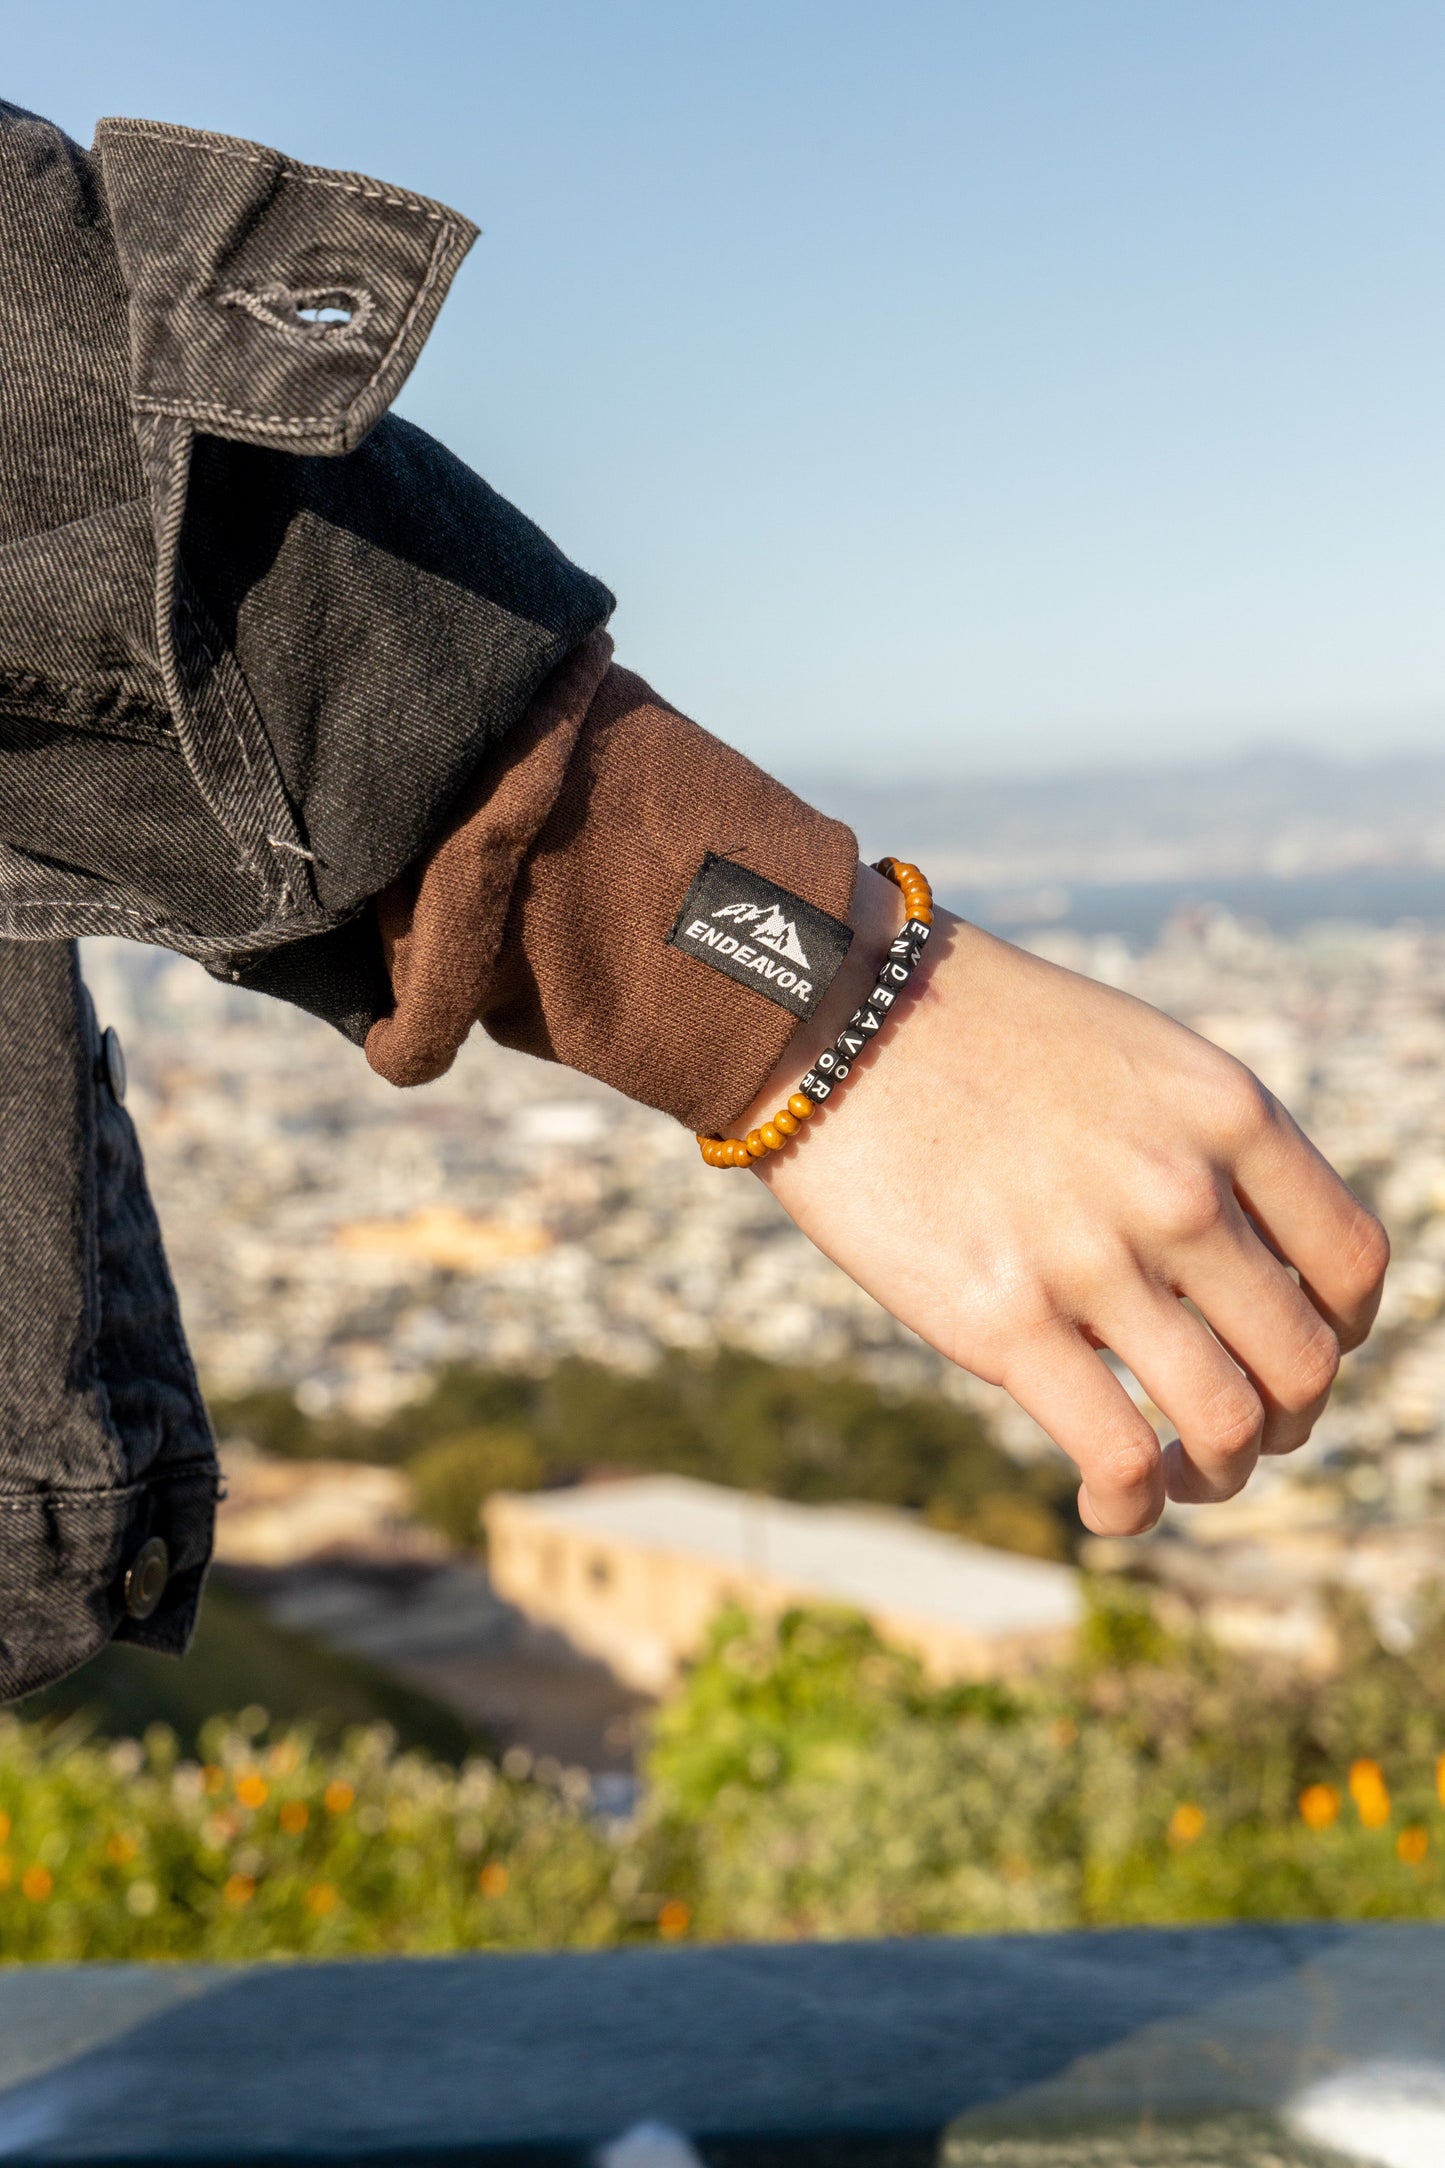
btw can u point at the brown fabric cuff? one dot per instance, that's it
(545, 907)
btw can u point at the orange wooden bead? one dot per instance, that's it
(772, 1136)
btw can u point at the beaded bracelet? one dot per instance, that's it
(834, 1067)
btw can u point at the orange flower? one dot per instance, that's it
(1412, 1844)
(494, 1880)
(338, 1796)
(321, 1898)
(37, 1883)
(674, 1920)
(294, 1816)
(252, 1790)
(1186, 1824)
(1319, 1806)
(1370, 1793)
(1439, 1782)
(5, 1822)
(238, 1890)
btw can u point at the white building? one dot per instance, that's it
(634, 1571)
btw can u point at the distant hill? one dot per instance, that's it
(1276, 836)
(1281, 814)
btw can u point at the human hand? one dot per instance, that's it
(1028, 1167)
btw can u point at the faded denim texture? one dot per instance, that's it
(104, 1442)
(255, 636)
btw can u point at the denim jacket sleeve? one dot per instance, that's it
(107, 1469)
(255, 635)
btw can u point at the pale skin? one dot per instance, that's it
(1027, 1167)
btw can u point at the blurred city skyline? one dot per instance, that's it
(951, 389)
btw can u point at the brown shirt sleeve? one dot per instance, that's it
(544, 908)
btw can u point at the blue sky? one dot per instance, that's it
(941, 387)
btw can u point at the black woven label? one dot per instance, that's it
(761, 935)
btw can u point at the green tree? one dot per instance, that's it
(452, 1480)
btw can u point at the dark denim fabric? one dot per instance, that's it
(104, 1442)
(255, 635)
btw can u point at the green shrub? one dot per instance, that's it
(805, 1779)
(812, 1782)
(130, 1851)
(451, 1481)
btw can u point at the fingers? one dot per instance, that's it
(1218, 1414)
(1287, 1348)
(1059, 1380)
(1339, 1249)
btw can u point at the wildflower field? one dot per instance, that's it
(806, 1780)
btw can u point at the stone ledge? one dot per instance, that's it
(845, 2052)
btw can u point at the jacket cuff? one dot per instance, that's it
(545, 909)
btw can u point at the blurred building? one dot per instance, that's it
(283, 1513)
(634, 1571)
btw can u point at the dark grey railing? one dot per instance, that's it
(845, 2053)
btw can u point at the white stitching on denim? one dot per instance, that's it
(298, 424)
(186, 410)
(75, 903)
(433, 273)
(259, 305)
(277, 844)
(169, 492)
(284, 892)
(185, 1471)
(370, 191)
(183, 602)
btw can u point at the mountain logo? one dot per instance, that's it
(748, 929)
(769, 929)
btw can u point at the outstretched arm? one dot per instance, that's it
(1025, 1167)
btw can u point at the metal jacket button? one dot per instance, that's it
(146, 1577)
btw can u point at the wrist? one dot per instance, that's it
(876, 916)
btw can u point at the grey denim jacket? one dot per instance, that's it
(256, 634)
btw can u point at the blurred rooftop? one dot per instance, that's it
(634, 1571)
